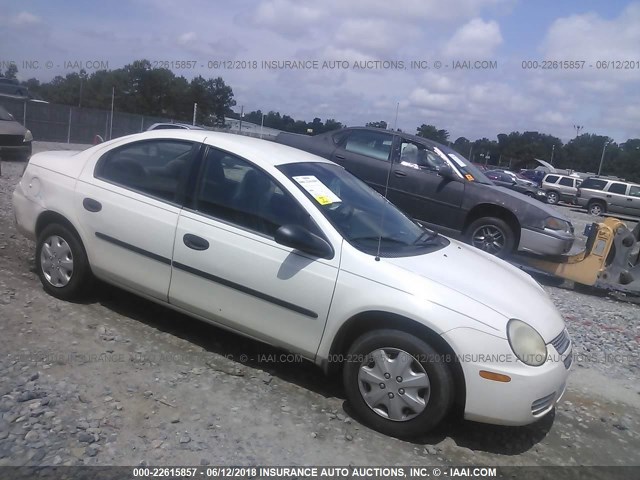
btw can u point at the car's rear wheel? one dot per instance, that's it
(61, 263)
(397, 383)
(553, 198)
(493, 235)
(597, 208)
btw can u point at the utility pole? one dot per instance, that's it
(241, 115)
(395, 123)
(604, 147)
(195, 110)
(113, 96)
(578, 128)
(553, 148)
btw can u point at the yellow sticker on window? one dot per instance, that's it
(469, 177)
(318, 190)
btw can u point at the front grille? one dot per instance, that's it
(11, 140)
(542, 404)
(562, 342)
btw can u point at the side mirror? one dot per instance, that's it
(300, 238)
(446, 172)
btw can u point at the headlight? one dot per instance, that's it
(526, 343)
(553, 223)
(28, 137)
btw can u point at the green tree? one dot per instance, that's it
(11, 71)
(432, 133)
(462, 145)
(381, 124)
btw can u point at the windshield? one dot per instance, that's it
(4, 115)
(469, 171)
(362, 216)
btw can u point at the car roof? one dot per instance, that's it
(261, 152)
(177, 125)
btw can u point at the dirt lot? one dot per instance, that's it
(118, 380)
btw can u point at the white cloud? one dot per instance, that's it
(287, 17)
(475, 39)
(590, 37)
(187, 38)
(25, 18)
(374, 36)
(424, 98)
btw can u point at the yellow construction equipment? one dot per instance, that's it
(610, 259)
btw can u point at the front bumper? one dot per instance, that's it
(22, 152)
(546, 242)
(531, 393)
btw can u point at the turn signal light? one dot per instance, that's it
(495, 376)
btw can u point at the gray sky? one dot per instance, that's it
(601, 38)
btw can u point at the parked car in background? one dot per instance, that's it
(439, 187)
(535, 176)
(173, 126)
(512, 182)
(15, 140)
(291, 249)
(560, 188)
(601, 195)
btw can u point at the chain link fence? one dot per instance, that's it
(62, 123)
(50, 122)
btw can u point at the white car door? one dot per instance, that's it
(228, 268)
(128, 203)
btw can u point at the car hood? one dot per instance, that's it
(10, 127)
(528, 210)
(489, 281)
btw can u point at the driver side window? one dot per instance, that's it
(419, 156)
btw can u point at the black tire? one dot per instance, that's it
(553, 198)
(80, 277)
(492, 235)
(597, 208)
(438, 397)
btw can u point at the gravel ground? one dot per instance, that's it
(117, 380)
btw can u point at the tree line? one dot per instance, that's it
(141, 89)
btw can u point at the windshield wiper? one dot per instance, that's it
(376, 238)
(426, 236)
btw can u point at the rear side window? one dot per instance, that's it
(594, 184)
(551, 178)
(567, 182)
(634, 191)
(154, 167)
(372, 144)
(620, 188)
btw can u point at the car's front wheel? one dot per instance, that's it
(493, 235)
(397, 383)
(61, 263)
(553, 198)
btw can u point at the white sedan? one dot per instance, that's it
(288, 248)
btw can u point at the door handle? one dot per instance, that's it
(194, 242)
(629, 199)
(341, 157)
(399, 173)
(91, 205)
(608, 196)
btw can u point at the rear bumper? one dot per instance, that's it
(26, 213)
(547, 242)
